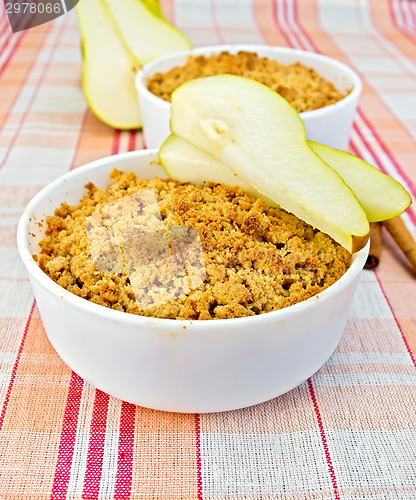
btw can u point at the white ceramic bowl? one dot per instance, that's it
(182, 366)
(330, 125)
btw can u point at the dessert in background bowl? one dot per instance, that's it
(174, 364)
(333, 87)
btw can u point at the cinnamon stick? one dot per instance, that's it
(397, 228)
(373, 258)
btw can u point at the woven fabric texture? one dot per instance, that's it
(347, 433)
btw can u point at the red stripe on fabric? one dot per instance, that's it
(412, 7)
(8, 38)
(392, 14)
(168, 10)
(412, 357)
(403, 16)
(278, 22)
(215, 24)
(81, 131)
(376, 136)
(311, 389)
(132, 140)
(410, 212)
(95, 456)
(411, 15)
(17, 38)
(353, 149)
(198, 455)
(124, 474)
(291, 32)
(285, 23)
(116, 142)
(323, 438)
(368, 147)
(378, 41)
(378, 163)
(5, 32)
(409, 28)
(405, 30)
(404, 4)
(299, 26)
(16, 364)
(5, 21)
(34, 95)
(21, 85)
(68, 436)
(304, 40)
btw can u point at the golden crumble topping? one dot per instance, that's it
(256, 259)
(301, 86)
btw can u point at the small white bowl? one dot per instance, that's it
(181, 366)
(330, 125)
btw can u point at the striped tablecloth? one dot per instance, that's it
(349, 431)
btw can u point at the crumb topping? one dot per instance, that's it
(256, 259)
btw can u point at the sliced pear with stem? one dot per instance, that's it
(147, 35)
(186, 163)
(257, 134)
(381, 196)
(108, 67)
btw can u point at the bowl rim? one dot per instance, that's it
(357, 264)
(148, 69)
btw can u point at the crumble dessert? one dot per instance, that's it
(301, 86)
(256, 259)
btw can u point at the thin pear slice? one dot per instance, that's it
(148, 36)
(186, 163)
(108, 67)
(381, 196)
(154, 7)
(257, 134)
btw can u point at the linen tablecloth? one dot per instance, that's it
(347, 433)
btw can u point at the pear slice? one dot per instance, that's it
(147, 35)
(186, 163)
(257, 134)
(381, 196)
(154, 7)
(108, 67)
